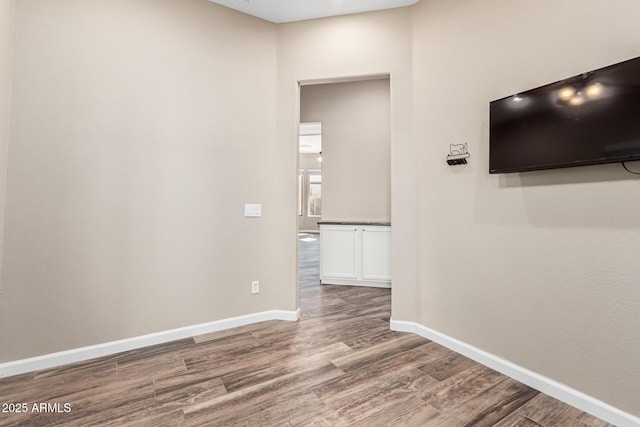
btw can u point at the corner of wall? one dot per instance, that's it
(7, 18)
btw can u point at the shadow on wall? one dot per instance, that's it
(584, 197)
(573, 175)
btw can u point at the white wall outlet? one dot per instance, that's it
(255, 287)
(252, 210)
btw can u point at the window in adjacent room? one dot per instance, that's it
(314, 199)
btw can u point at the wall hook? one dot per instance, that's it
(458, 154)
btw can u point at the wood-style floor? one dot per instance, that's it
(340, 365)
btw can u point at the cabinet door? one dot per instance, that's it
(338, 245)
(376, 253)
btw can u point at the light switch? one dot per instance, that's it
(252, 210)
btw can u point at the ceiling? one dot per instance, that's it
(279, 11)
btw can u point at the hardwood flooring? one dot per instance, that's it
(340, 365)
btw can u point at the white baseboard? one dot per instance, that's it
(53, 360)
(546, 385)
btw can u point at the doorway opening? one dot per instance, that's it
(344, 176)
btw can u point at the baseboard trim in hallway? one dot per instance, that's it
(541, 383)
(106, 349)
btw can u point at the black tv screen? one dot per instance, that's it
(587, 119)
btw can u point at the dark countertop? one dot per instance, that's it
(383, 223)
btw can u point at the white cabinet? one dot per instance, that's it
(355, 254)
(376, 253)
(338, 252)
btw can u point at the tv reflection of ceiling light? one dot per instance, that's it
(517, 98)
(594, 90)
(577, 96)
(577, 99)
(566, 93)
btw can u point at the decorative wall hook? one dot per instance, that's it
(458, 154)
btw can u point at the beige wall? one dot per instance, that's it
(129, 126)
(6, 68)
(355, 120)
(546, 272)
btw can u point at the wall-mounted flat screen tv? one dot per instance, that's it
(587, 119)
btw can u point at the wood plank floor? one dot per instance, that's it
(339, 366)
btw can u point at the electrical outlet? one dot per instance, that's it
(255, 287)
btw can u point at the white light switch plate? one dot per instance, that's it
(252, 210)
